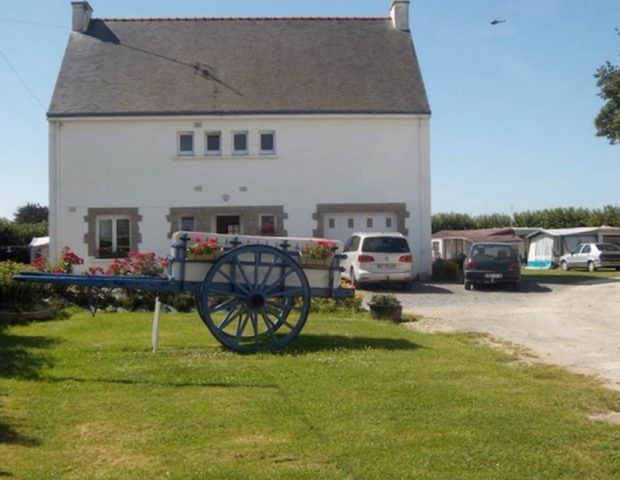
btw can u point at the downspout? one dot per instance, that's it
(54, 188)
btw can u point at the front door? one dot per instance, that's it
(228, 224)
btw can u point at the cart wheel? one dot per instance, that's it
(254, 298)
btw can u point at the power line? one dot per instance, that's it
(23, 82)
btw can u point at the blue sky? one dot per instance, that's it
(513, 104)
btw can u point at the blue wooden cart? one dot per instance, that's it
(254, 296)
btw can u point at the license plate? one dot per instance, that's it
(493, 275)
(387, 265)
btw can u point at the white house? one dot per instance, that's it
(287, 126)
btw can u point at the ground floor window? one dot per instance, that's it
(187, 224)
(113, 237)
(112, 232)
(267, 224)
(232, 220)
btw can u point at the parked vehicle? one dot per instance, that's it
(378, 257)
(592, 256)
(492, 263)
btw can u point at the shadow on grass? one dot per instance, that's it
(124, 381)
(8, 435)
(18, 361)
(18, 356)
(306, 343)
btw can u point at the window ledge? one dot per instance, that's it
(224, 157)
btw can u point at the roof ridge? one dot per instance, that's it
(190, 19)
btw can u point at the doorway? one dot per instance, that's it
(228, 224)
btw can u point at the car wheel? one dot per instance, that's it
(591, 267)
(516, 286)
(468, 285)
(406, 286)
(564, 266)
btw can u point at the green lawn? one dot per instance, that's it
(352, 398)
(557, 275)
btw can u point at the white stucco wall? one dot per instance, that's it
(108, 163)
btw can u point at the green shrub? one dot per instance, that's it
(330, 305)
(18, 296)
(445, 270)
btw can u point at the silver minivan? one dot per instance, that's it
(376, 258)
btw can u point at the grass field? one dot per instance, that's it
(351, 398)
(556, 275)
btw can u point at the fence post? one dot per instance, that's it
(156, 317)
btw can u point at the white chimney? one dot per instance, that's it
(82, 13)
(400, 15)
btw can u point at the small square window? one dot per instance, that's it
(214, 143)
(350, 223)
(187, 224)
(186, 143)
(240, 142)
(267, 224)
(332, 223)
(388, 222)
(267, 142)
(369, 223)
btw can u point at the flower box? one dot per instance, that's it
(308, 262)
(203, 257)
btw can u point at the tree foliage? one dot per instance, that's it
(31, 213)
(547, 218)
(13, 234)
(607, 121)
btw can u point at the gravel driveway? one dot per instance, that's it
(575, 326)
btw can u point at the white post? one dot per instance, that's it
(156, 317)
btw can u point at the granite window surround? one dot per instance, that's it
(249, 216)
(323, 210)
(92, 216)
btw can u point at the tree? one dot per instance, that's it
(31, 213)
(607, 122)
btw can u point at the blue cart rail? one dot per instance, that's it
(253, 298)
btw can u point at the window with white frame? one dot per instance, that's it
(214, 143)
(240, 143)
(113, 237)
(185, 141)
(187, 224)
(267, 143)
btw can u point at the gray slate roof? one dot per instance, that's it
(239, 66)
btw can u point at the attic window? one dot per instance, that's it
(267, 142)
(214, 143)
(240, 143)
(186, 143)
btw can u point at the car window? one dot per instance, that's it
(493, 252)
(586, 249)
(385, 245)
(577, 249)
(607, 247)
(348, 244)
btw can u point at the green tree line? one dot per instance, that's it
(548, 218)
(13, 233)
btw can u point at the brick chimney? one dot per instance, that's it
(82, 13)
(400, 15)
